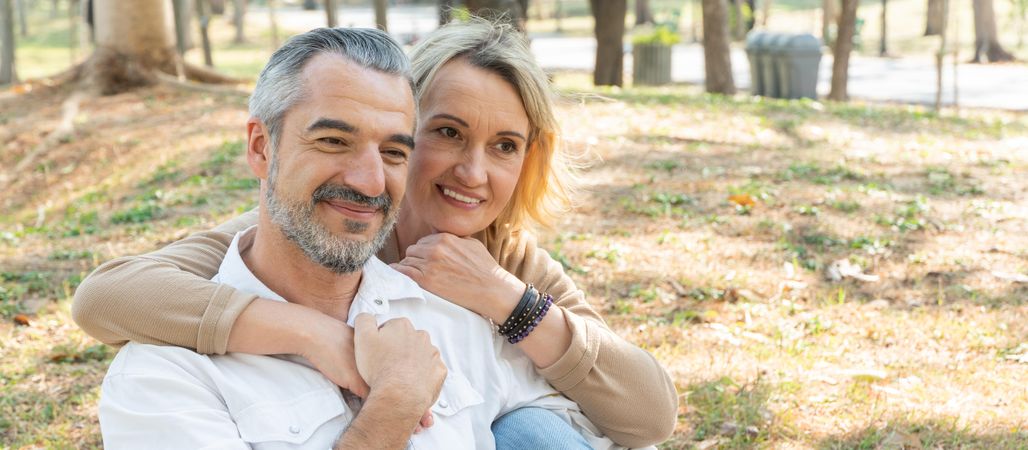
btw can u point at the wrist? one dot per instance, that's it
(319, 330)
(505, 298)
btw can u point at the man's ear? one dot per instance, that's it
(258, 148)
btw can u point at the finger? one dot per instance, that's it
(364, 323)
(427, 420)
(361, 388)
(420, 250)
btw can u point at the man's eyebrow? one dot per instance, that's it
(402, 139)
(333, 124)
(465, 124)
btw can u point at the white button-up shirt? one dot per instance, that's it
(170, 397)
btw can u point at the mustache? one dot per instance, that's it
(339, 192)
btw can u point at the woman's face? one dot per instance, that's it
(469, 149)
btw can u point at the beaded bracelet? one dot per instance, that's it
(536, 318)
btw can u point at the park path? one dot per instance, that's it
(900, 80)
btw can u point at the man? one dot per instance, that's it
(329, 135)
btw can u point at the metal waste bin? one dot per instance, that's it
(769, 65)
(755, 45)
(799, 57)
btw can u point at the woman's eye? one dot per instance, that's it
(449, 132)
(508, 147)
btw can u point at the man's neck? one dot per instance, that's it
(286, 270)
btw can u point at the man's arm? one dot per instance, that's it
(404, 372)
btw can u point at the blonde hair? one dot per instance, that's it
(546, 183)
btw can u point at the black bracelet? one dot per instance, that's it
(522, 308)
(537, 317)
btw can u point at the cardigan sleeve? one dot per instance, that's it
(620, 387)
(166, 297)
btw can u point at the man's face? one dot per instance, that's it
(337, 175)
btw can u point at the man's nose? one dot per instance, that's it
(365, 172)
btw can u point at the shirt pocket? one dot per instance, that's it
(456, 395)
(293, 422)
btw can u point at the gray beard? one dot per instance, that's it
(297, 223)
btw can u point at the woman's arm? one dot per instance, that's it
(621, 388)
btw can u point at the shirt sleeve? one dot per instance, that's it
(166, 296)
(620, 387)
(164, 407)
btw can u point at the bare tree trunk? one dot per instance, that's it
(239, 20)
(986, 39)
(23, 23)
(330, 13)
(445, 7)
(507, 10)
(765, 9)
(934, 19)
(609, 28)
(132, 44)
(883, 42)
(643, 14)
(7, 73)
(560, 16)
(183, 16)
(717, 60)
(381, 21)
(843, 47)
(203, 10)
(273, 20)
(831, 16)
(217, 7)
(940, 57)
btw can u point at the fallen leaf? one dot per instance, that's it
(1008, 276)
(843, 268)
(22, 320)
(742, 200)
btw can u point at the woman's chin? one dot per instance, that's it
(462, 230)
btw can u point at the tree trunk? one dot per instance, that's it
(986, 40)
(239, 20)
(444, 9)
(183, 10)
(765, 9)
(273, 20)
(934, 19)
(7, 74)
(330, 14)
(23, 23)
(643, 14)
(217, 7)
(843, 47)
(203, 10)
(511, 11)
(609, 17)
(381, 21)
(132, 44)
(717, 61)
(883, 48)
(830, 16)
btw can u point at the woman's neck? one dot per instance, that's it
(409, 229)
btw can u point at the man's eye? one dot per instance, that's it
(396, 155)
(449, 132)
(332, 141)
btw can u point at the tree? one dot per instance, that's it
(610, 31)
(830, 15)
(643, 13)
(239, 20)
(381, 20)
(986, 39)
(883, 42)
(841, 52)
(135, 44)
(330, 13)
(513, 11)
(203, 9)
(934, 19)
(717, 61)
(7, 73)
(23, 24)
(183, 10)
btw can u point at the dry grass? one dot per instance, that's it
(733, 299)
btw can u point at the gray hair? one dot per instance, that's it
(280, 87)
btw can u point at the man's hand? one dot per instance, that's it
(405, 374)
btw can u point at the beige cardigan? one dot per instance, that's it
(165, 297)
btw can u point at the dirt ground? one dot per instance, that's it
(813, 275)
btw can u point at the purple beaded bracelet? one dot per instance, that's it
(546, 302)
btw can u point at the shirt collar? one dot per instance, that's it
(380, 284)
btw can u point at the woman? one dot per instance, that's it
(486, 164)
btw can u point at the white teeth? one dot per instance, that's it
(461, 198)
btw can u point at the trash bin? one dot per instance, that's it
(755, 43)
(651, 64)
(799, 57)
(769, 64)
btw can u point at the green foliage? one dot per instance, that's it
(137, 214)
(656, 35)
(737, 412)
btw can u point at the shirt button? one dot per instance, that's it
(443, 404)
(294, 429)
(378, 301)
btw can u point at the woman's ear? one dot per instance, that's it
(258, 152)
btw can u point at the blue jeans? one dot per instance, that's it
(535, 428)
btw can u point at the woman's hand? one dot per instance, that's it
(462, 271)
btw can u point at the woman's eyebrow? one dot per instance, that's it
(465, 124)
